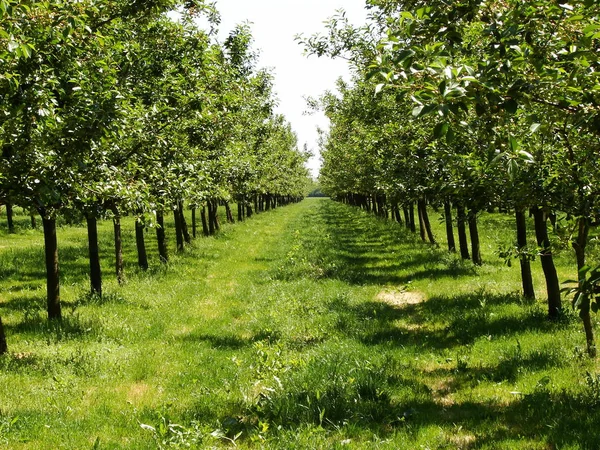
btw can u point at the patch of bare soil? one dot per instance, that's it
(463, 441)
(400, 298)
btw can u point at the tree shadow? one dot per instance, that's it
(460, 320)
(346, 245)
(70, 327)
(224, 341)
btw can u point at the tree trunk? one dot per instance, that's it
(552, 284)
(184, 227)
(52, 274)
(119, 269)
(579, 245)
(3, 345)
(425, 219)
(449, 226)
(161, 237)
(421, 222)
(178, 228)
(411, 216)
(205, 229)
(216, 215)
(406, 217)
(526, 279)
(194, 223)
(9, 217)
(33, 221)
(94, 255)
(229, 214)
(240, 210)
(141, 245)
(396, 213)
(474, 232)
(462, 232)
(211, 218)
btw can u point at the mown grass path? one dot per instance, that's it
(311, 326)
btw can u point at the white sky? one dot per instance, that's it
(274, 24)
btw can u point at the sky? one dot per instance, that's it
(274, 24)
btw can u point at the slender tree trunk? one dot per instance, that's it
(33, 221)
(426, 223)
(462, 232)
(9, 217)
(211, 218)
(184, 226)
(205, 229)
(421, 222)
(194, 222)
(579, 245)
(52, 273)
(449, 226)
(240, 210)
(3, 345)
(140, 243)
(161, 237)
(248, 207)
(375, 206)
(474, 232)
(216, 215)
(406, 217)
(411, 215)
(119, 267)
(229, 214)
(547, 260)
(526, 279)
(94, 255)
(178, 229)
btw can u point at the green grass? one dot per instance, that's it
(311, 326)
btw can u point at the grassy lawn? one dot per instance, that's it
(311, 326)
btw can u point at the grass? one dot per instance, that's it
(311, 326)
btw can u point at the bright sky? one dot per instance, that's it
(274, 24)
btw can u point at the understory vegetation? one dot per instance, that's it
(310, 326)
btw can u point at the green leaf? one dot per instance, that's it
(450, 136)
(534, 127)
(416, 112)
(12, 46)
(441, 129)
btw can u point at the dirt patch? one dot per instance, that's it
(442, 392)
(463, 441)
(400, 298)
(137, 392)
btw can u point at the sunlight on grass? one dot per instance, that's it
(311, 326)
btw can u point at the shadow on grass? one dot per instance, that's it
(24, 302)
(556, 419)
(70, 327)
(338, 242)
(233, 342)
(460, 320)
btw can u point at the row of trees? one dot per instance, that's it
(471, 105)
(126, 107)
